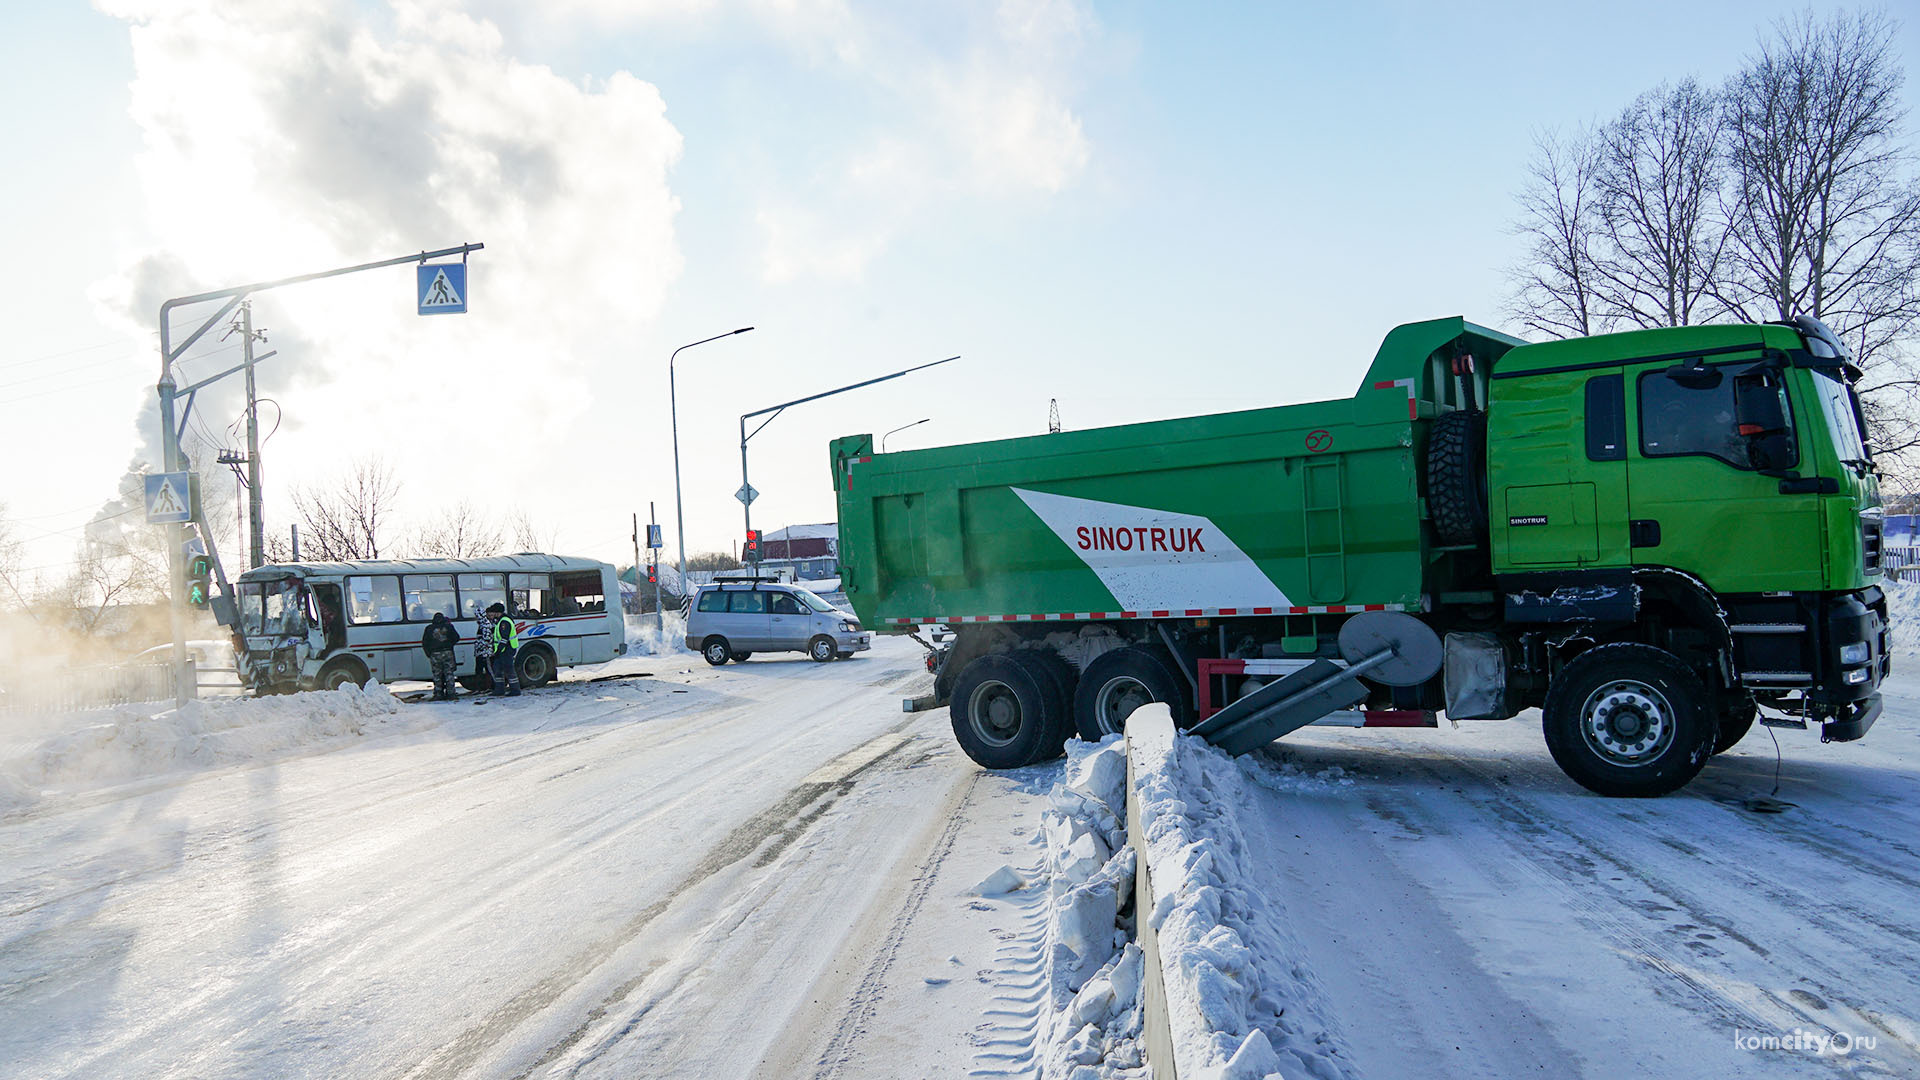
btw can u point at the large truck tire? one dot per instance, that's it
(1000, 713)
(1058, 676)
(1120, 681)
(1457, 477)
(1629, 721)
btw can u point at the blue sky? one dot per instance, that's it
(1141, 210)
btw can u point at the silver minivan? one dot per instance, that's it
(733, 620)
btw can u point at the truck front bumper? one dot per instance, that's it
(1854, 726)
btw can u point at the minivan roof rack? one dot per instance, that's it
(734, 579)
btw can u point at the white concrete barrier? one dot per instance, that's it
(1151, 747)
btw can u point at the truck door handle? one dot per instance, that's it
(1643, 533)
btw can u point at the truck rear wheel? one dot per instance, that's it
(1120, 681)
(1457, 478)
(1000, 714)
(1057, 681)
(1629, 721)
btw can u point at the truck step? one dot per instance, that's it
(1768, 628)
(1792, 723)
(1776, 678)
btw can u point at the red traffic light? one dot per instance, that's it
(753, 539)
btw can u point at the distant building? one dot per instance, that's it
(810, 552)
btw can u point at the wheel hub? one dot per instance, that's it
(1117, 701)
(1627, 722)
(994, 712)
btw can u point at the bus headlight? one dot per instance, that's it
(1855, 653)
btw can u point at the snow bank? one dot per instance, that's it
(1239, 1003)
(643, 639)
(1090, 1027)
(1903, 611)
(130, 743)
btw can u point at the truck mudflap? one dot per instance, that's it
(1856, 725)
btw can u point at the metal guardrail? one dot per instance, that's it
(100, 687)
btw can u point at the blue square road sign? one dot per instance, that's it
(441, 288)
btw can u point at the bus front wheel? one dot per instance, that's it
(343, 673)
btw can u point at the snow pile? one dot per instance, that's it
(1903, 612)
(1091, 1025)
(1239, 1004)
(644, 639)
(132, 743)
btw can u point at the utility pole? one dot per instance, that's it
(256, 524)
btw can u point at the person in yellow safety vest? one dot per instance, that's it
(506, 642)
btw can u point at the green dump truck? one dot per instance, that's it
(1651, 536)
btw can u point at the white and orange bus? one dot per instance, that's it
(323, 625)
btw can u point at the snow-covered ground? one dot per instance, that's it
(764, 869)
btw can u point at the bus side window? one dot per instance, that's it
(478, 592)
(580, 593)
(532, 595)
(374, 599)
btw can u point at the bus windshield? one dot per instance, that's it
(271, 607)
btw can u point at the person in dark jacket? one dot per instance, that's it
(506, 642)
(438, 643)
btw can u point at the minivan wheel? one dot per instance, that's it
(821, 649)
(716, 651)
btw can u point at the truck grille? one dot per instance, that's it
(1870, 529)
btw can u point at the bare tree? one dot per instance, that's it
(11, 552)
(1824, 221)
(350, 519)
(461, 531)
(524, 536)
(1560, 218)
(1658, 177)
(712, 560)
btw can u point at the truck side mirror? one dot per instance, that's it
(1761, 419)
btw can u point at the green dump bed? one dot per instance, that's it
(1291, 510)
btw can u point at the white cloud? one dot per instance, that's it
(288, 136)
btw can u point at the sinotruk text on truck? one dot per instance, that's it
(1650, 536)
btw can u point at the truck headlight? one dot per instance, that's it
(1855, 653)
(1858, 675)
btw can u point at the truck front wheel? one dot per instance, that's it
(1629, 721)
(1000, 714)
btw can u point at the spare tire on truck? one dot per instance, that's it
(1457, 476)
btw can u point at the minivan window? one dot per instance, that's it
(749, 603)
(713, 600)
(785, 604)
(816, 603)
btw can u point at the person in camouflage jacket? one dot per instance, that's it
(483, 646)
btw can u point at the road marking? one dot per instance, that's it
(856, 759)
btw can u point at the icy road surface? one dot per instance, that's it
(757, 870)
(1469, 912)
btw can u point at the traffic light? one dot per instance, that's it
(653, 574)
(752, 552)
(199, 581)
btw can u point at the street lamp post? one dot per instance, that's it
(673, 409)
(746, 504)
(898, 430)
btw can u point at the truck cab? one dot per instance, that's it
(1714, 479)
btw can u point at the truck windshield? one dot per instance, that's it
(1837, 403)
(271, 607)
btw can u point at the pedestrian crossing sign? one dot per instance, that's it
(169, 498)
(441, 288)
